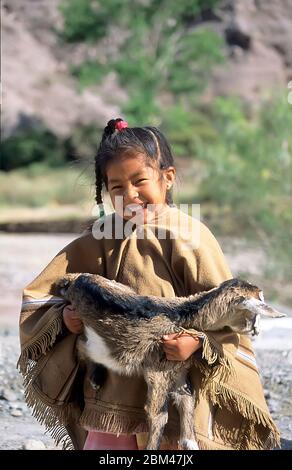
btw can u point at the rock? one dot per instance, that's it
(13, 405)
(289, 358)
(16, 413)
(8, 395)
(274, 405)
(22, 406)
(32, 444)
(17, 406)
(262, 29)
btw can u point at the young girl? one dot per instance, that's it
(136, 167)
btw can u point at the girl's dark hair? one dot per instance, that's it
(148, 141)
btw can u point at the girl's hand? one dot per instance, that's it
(179, 347)
(72, 320)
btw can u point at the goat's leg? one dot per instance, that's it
(159, 386)
(185, 403)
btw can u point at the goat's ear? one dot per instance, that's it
(260, 308)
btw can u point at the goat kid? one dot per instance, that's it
(123, 331)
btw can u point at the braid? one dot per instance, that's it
(98, 183)
(107, 132)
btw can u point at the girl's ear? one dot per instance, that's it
(169, 176)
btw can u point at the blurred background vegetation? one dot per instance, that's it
(235, 159)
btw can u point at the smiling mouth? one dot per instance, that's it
(132, 209)
(135, 206)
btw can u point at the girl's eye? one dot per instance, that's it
(140, 181)
(114, 188)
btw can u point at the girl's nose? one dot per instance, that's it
(130, 195)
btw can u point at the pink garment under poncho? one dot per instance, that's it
(105, 441)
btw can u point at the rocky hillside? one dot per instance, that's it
(38, 86)
(258, 34)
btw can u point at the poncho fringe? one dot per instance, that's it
(40, 344)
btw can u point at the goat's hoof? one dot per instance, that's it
(189, 444)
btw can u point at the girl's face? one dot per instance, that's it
(132, 185)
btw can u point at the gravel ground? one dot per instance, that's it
(19, 429)
(22, 257)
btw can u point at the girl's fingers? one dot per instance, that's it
(170, 346)
(76, 332)
(171, 342)
(171, 337)
(69, 308)
(77, 327)
(72, 313)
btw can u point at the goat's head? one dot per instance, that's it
(246, 305)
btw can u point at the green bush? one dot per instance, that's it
(39, 185)
(29, 146)
(197, 52)
(249, 168)
(89, 73)
(162, 51)
(187, 130)
(84, 20)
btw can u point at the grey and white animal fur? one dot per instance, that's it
(123, 331)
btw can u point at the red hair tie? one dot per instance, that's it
(120, 125)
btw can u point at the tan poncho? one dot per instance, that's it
(230, 410)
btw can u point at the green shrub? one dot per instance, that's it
(32, 146)
(163, 50)
(29, 146)
(84, 20)
(89, 73)
(249, 168)
(39, 185)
